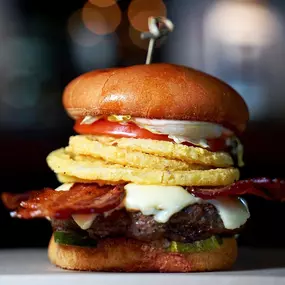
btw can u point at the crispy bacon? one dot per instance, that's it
(92, 198)
(270, 189)
(12, 201)
(81, 198)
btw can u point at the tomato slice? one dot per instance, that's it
(127, 130)
(131, 130)
(218, 144)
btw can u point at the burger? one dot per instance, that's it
(150, 181)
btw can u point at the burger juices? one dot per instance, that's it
(150, 180)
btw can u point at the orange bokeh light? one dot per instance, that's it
(102, 3)
(140, 10)
(79, 33)
(101, 21)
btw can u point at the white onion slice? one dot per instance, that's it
(89, 120)
(193, 132)
(176, 129)
(185, 130)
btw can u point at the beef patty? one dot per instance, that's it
(195, 222)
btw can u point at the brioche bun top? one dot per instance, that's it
(156, 91)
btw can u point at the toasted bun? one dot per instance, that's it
(128, 255)
(156, 91)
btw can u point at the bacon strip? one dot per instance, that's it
(80, 199)
(91, 198)
(269, 189)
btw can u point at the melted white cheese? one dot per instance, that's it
(64, 187)
(84, 221)
(164, 201)
(157, 200)
(233, 212)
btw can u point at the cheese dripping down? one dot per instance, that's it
(84, 221)
(164, 201)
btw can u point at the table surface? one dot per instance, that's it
(31, 266)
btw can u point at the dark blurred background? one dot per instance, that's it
(45, 44)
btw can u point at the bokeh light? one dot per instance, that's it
(79, 33)
(259, 26)
(101, 21)
(237, 35)
(23, 92)
(102, 55)
(102, 3)
(135, 37)
(140, 10)
(26, 63)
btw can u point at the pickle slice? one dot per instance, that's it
(211, 243)
(68, 238)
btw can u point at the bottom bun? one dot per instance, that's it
(128, 255)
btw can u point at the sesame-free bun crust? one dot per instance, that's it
(127, 255)
(156, 91)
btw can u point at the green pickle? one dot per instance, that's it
(214, 242)
(68, 238)
(211, 243)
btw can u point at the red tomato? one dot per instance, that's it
(128, 130)
(218, 144)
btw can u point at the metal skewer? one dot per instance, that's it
(159, 28)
